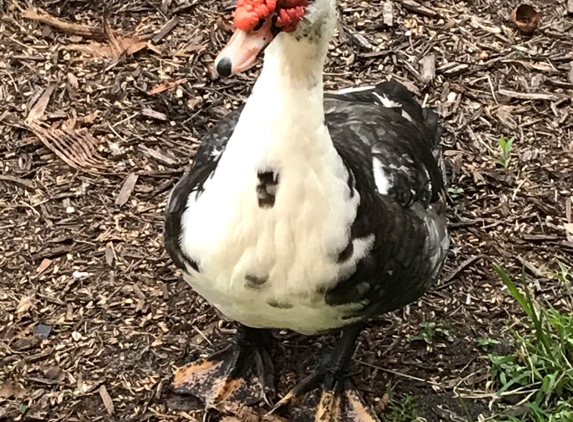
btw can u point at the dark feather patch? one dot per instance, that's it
(267, 188)
(346, 253)
(279, 305)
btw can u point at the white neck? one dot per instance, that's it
(293, 242)
(283, 119)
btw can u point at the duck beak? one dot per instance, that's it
(242, 50)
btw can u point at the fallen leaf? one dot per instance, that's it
(44, 265)
(107, 402)
(526, 18)
(76, 147)
(24, 305)
(39, 108)
(69, 125)
(8, 390)
(122, 45)
(117, 45)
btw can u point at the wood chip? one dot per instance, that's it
(361, 40)
(428, 68)
(159, 156)
(165, 5)
(126, 189)
(154, 114)
(24, 305)
(167, 28)
(569, 231)
(109, 252)
(388, 14)
(166, 85)
(44, 265)
(71, 28)
(530, 267)
(107, 402)
(17, 180)
(414, 7)
(570, 7)
(534, 96)
(453, 69)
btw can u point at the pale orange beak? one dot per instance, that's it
(242, 50)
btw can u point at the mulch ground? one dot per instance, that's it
(93, 315)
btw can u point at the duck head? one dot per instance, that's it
(259, 22)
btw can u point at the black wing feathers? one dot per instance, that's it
(383, 128)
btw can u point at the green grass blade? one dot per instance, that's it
(517, 295)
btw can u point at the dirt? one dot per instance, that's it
(117, 319)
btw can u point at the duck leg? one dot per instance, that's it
(239, 375)
(339, 400)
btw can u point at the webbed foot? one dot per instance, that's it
(337, 400)
(237, 376)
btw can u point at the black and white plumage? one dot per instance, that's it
(385, 140)
(310, 211)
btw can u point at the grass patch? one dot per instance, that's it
(540, 372)
(402, 408)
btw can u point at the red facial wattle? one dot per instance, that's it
(288, 13)
(257, 22)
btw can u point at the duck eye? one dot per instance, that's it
(259, 24)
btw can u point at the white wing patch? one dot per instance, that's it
(388, 103)
(384, 100)
(380, 178)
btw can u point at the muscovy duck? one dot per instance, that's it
(304, 210)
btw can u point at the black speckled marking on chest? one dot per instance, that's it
(254, 282)
(267, 188)
(279, 305)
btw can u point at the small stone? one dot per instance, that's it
(43, 330)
